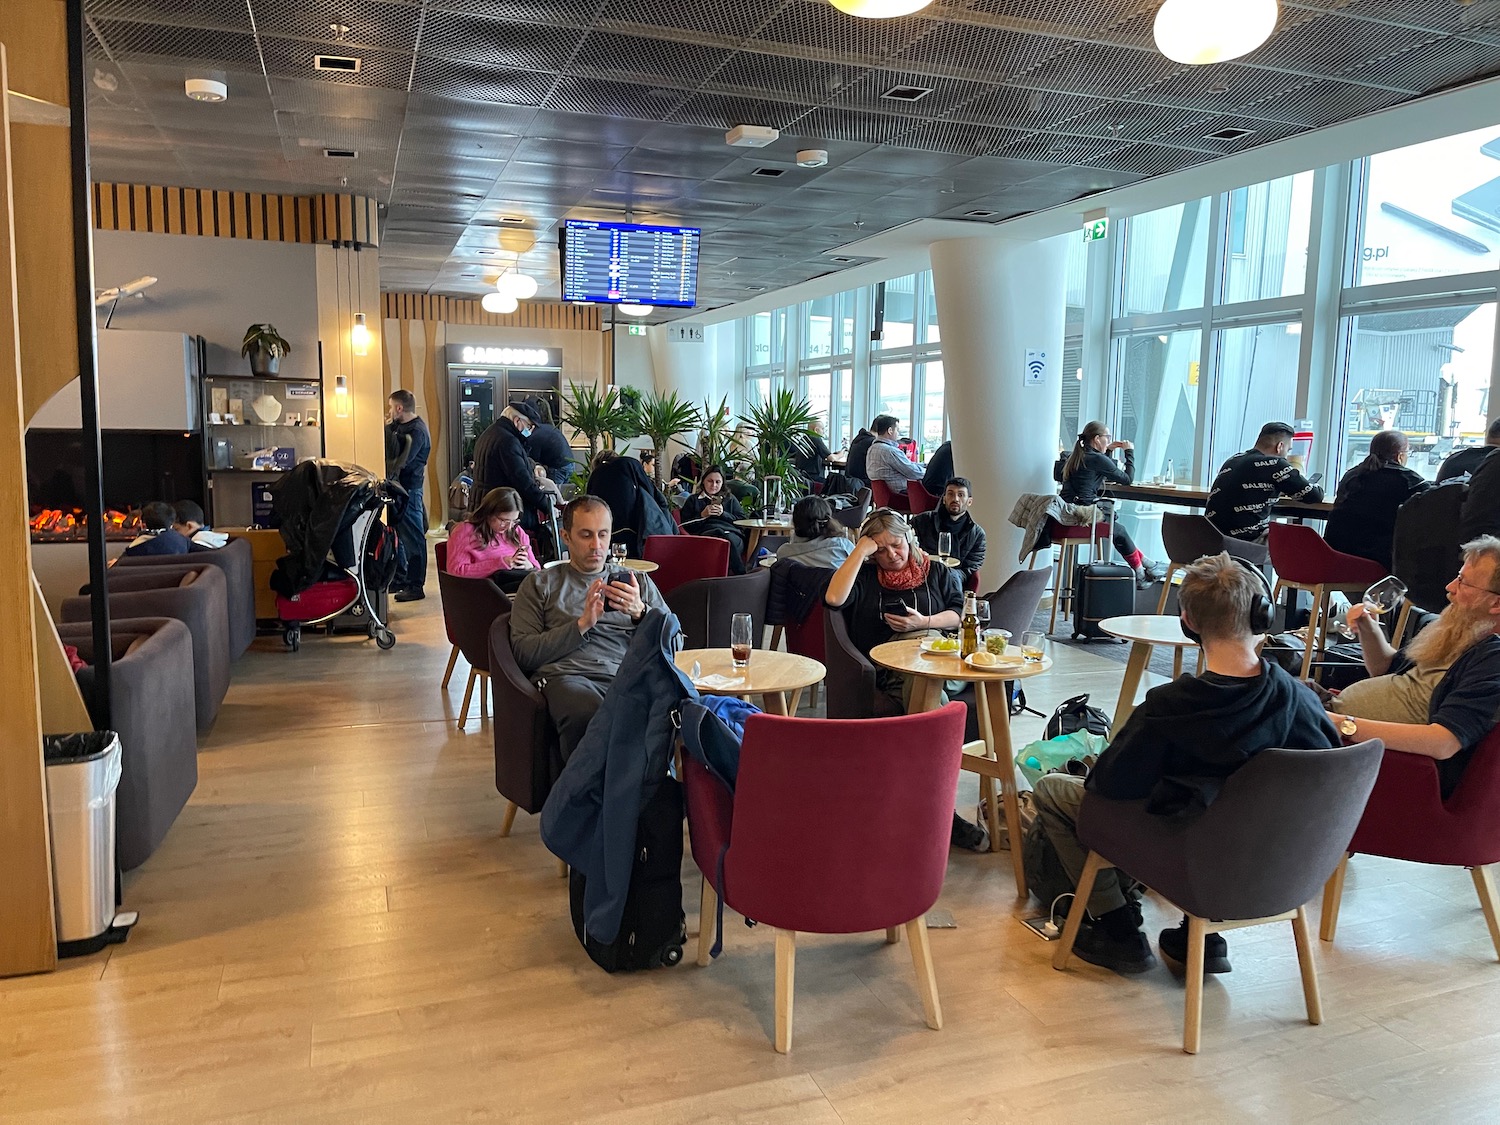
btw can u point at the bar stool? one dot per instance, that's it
(1303, 561)
(1070, 537)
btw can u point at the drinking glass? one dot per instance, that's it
(1033, 646)
(982, 611)
(1384, 596)
(945, 544)
(739, 639)
(617, 553)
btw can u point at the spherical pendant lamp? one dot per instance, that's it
(1199, 32)
(499, 303)
(879, 9)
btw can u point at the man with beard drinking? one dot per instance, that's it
(1440, 695)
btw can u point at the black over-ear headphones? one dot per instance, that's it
(1261, 606)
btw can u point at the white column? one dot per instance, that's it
(998, 300)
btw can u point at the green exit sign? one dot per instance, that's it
(1094, 231)
(635, 329)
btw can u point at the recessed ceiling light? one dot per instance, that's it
(346, 63)
(756, 288)
(840, 258)
(906, 93)
(1230, 134)
(769, 173)
(488, 253)
(513, 220)
(980, 214)
(341, 153)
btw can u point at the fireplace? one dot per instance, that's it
(139, 467)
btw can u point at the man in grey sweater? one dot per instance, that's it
(571, 624)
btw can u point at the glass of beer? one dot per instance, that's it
(1033, 646)
(740, 634)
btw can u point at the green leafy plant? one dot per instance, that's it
(264, 337)
(782, 425)
(718, 443)
(662, 417)
(595, 413)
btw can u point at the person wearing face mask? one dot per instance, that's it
(501, 461)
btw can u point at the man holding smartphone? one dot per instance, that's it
(571, 624)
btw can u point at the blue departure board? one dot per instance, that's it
(615, 263)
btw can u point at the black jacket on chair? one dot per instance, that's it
(1363, 520)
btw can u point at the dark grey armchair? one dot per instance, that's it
(1258, 854)
(152, 710)
(704, 607)
(237, 561)
(194, 594)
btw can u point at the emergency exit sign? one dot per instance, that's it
(635, 329)
(1096, 230)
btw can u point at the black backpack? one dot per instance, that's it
(1426, 549)
(653, 927)
(1074, 715)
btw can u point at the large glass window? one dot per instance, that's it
(1075, 285)
(1431, 209)
(1265, 239)
(1165, 259)
(1158, 409)
(933, 428)
(817, 388)
(818, 342)
(1257, 382)
(1425, 372)
(893, 391)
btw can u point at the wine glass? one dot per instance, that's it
(1384, 596)
(740, 627)
(945, 544)
(982, 611)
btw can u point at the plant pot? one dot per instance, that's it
(263, 362)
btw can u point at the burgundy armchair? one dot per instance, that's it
(1407, 818)
(772, 852)
(682, 558)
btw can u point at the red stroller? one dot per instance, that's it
(331, 508)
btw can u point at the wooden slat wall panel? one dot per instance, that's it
(453, 310)
(152, 209)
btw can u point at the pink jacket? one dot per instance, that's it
(469, 557)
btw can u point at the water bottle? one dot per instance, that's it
(1166, 477)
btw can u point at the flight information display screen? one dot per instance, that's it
(616, 263)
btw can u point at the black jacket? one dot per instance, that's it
(968, 537)
(1481, 511)
(939, 469)
(549, 448)
(501, 460)
(1178, 747)
(812, 460)
(864, 610)
(413, 467)
(637, 505)
(1248, 485)
(1464, 461)
(859, 450)
(1082, 486)
(1363, 520)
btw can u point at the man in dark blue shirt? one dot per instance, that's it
(157, 535)
(411, 526)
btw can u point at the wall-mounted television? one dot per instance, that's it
(619, 263)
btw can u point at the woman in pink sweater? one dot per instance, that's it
(490, 543)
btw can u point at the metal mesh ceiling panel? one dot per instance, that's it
(541, 107)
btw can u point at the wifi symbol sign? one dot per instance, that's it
(1036, 366)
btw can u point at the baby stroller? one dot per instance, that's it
(330, 507)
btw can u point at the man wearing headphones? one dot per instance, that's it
(1178, 747)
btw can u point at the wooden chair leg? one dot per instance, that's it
(921, 959)
(893, 935)
(484, 696)
(1333, 898)
(1166, 588)
(1091, 868)
(448, 671)
(786, 975)
(1484, 883)
(1310, 992)
(1313, 624)
(776, 634)
(1192, 1017)
(510, 818)
(463, 712)
(708, 903)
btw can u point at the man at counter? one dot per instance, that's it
(1250, 483)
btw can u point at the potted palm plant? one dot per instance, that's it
(595, 413)
(782, 425)
(264, 347)
(661, 417)
(719, 444)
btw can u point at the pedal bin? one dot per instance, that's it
(83, 772)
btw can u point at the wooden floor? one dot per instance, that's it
(335, 932)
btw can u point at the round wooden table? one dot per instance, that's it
(1145, 631)
(998, 761)
(757, 528)
(770, 675)
(640, 566)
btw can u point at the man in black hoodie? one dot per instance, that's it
(1176, 751)
(952, 516)
(859, 452)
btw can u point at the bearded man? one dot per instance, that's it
(1440, 695)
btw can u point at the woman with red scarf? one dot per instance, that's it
(889, 587)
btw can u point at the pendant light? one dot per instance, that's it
(359, 335)
(521, 286)
(879, 9)
(631, 309)
(1200, 32)
(503, 303)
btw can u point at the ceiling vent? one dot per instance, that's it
(340, 153)
(1230, 134)
(840, 258)
(755, 288)
(981, 214)
(769, 173)
(337, 62)
(906, 93)
(513, 220)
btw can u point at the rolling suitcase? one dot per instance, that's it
(653, 928)
(1101, 589)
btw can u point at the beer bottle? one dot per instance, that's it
(970, 625)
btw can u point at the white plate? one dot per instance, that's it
(1002, 661)
(928, 650)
